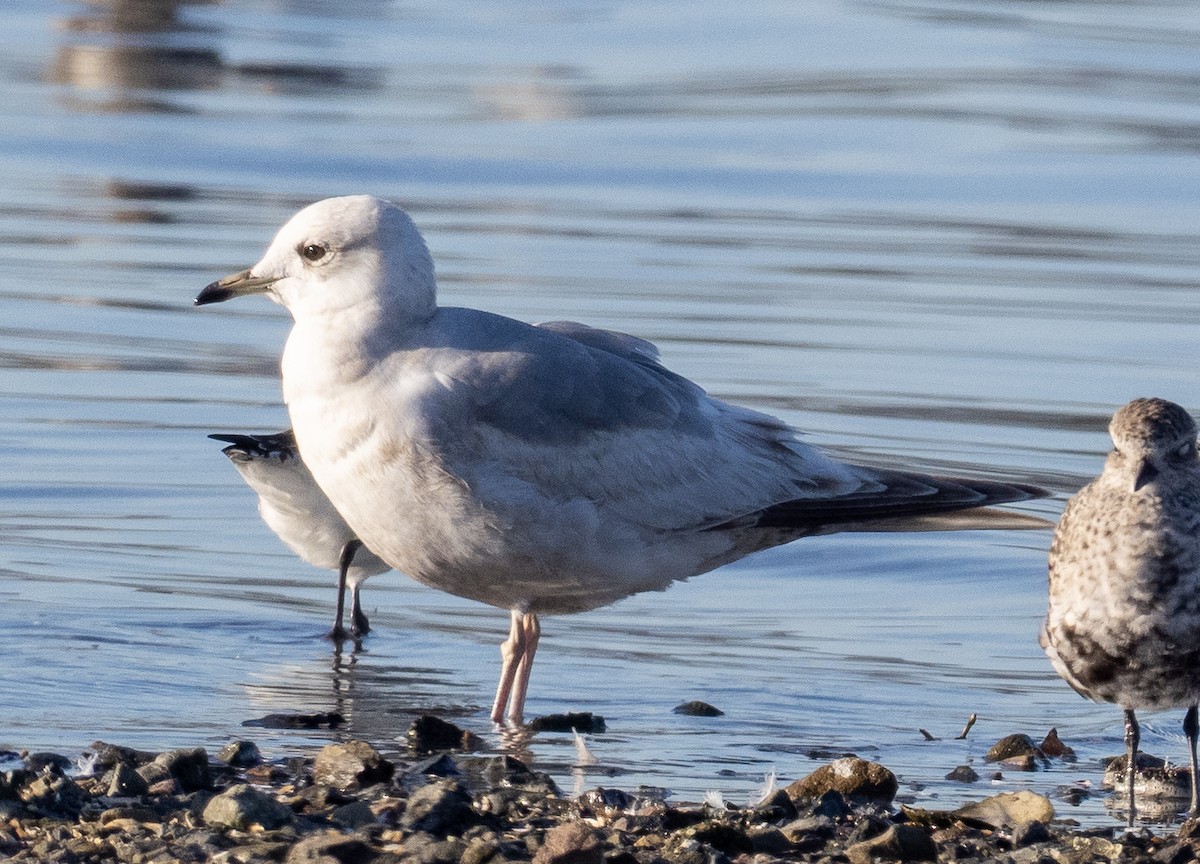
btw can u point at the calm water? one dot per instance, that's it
(950, 235)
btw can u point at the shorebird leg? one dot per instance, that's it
(338, 633)
(533, 634)
(1191, 728)
(1133, 737)
(512, 650)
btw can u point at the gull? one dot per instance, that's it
(1123, 622)
(295, 508)
(542, 469)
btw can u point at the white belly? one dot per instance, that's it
(509, 547)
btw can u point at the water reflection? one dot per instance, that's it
(128, 54)
(377, 694)
(297, 79)
(1081, 102)
(132, 16)
(133, 67)
(125, 50)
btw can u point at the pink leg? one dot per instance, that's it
(533, 633)
(512, 651)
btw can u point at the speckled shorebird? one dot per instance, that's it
(295, 508)
(1123, 624)
(543, 469)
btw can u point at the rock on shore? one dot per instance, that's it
(348, 804)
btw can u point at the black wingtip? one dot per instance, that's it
(283, 443)
(911, 496)
(228, 438)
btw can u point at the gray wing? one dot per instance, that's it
(622, 344)
(567, 412)
(881, 496)
(560, 383)
(564, 412)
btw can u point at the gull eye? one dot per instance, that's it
(313, 252)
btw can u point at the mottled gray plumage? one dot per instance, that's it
(300, 514)
(1123, 623)
(542, 469)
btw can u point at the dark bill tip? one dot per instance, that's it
(213, 293)
(234, 285)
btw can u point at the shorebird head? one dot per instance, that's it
(1151, 437)
(355, 252)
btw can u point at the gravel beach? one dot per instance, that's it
(440, 802)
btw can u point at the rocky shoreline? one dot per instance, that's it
(348, 804)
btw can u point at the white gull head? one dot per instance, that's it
(341, 254)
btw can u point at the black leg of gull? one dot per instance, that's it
(1132, 739)
(338, 633)
(359, 625)
(1191, 728)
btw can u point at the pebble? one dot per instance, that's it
(778, 808)
(1017, 752)
(424, 848)
(189, 768)
(39, 762)
(125, 782)
(1009, 808)
(243, 806)
(108, 755)
(1028, 833)
(898, 843)
(351, 765)
(802, 831)
(52, 795)
(585, 723)
(319, 720)
(438, 808)
(330, 848)
(964, 774)
(1053, 746)
(240, 754)
(429, 733)
(472, 813)
(356, 814)
(696, 708)
(852, 777)
(831, 804)
(571, 843)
